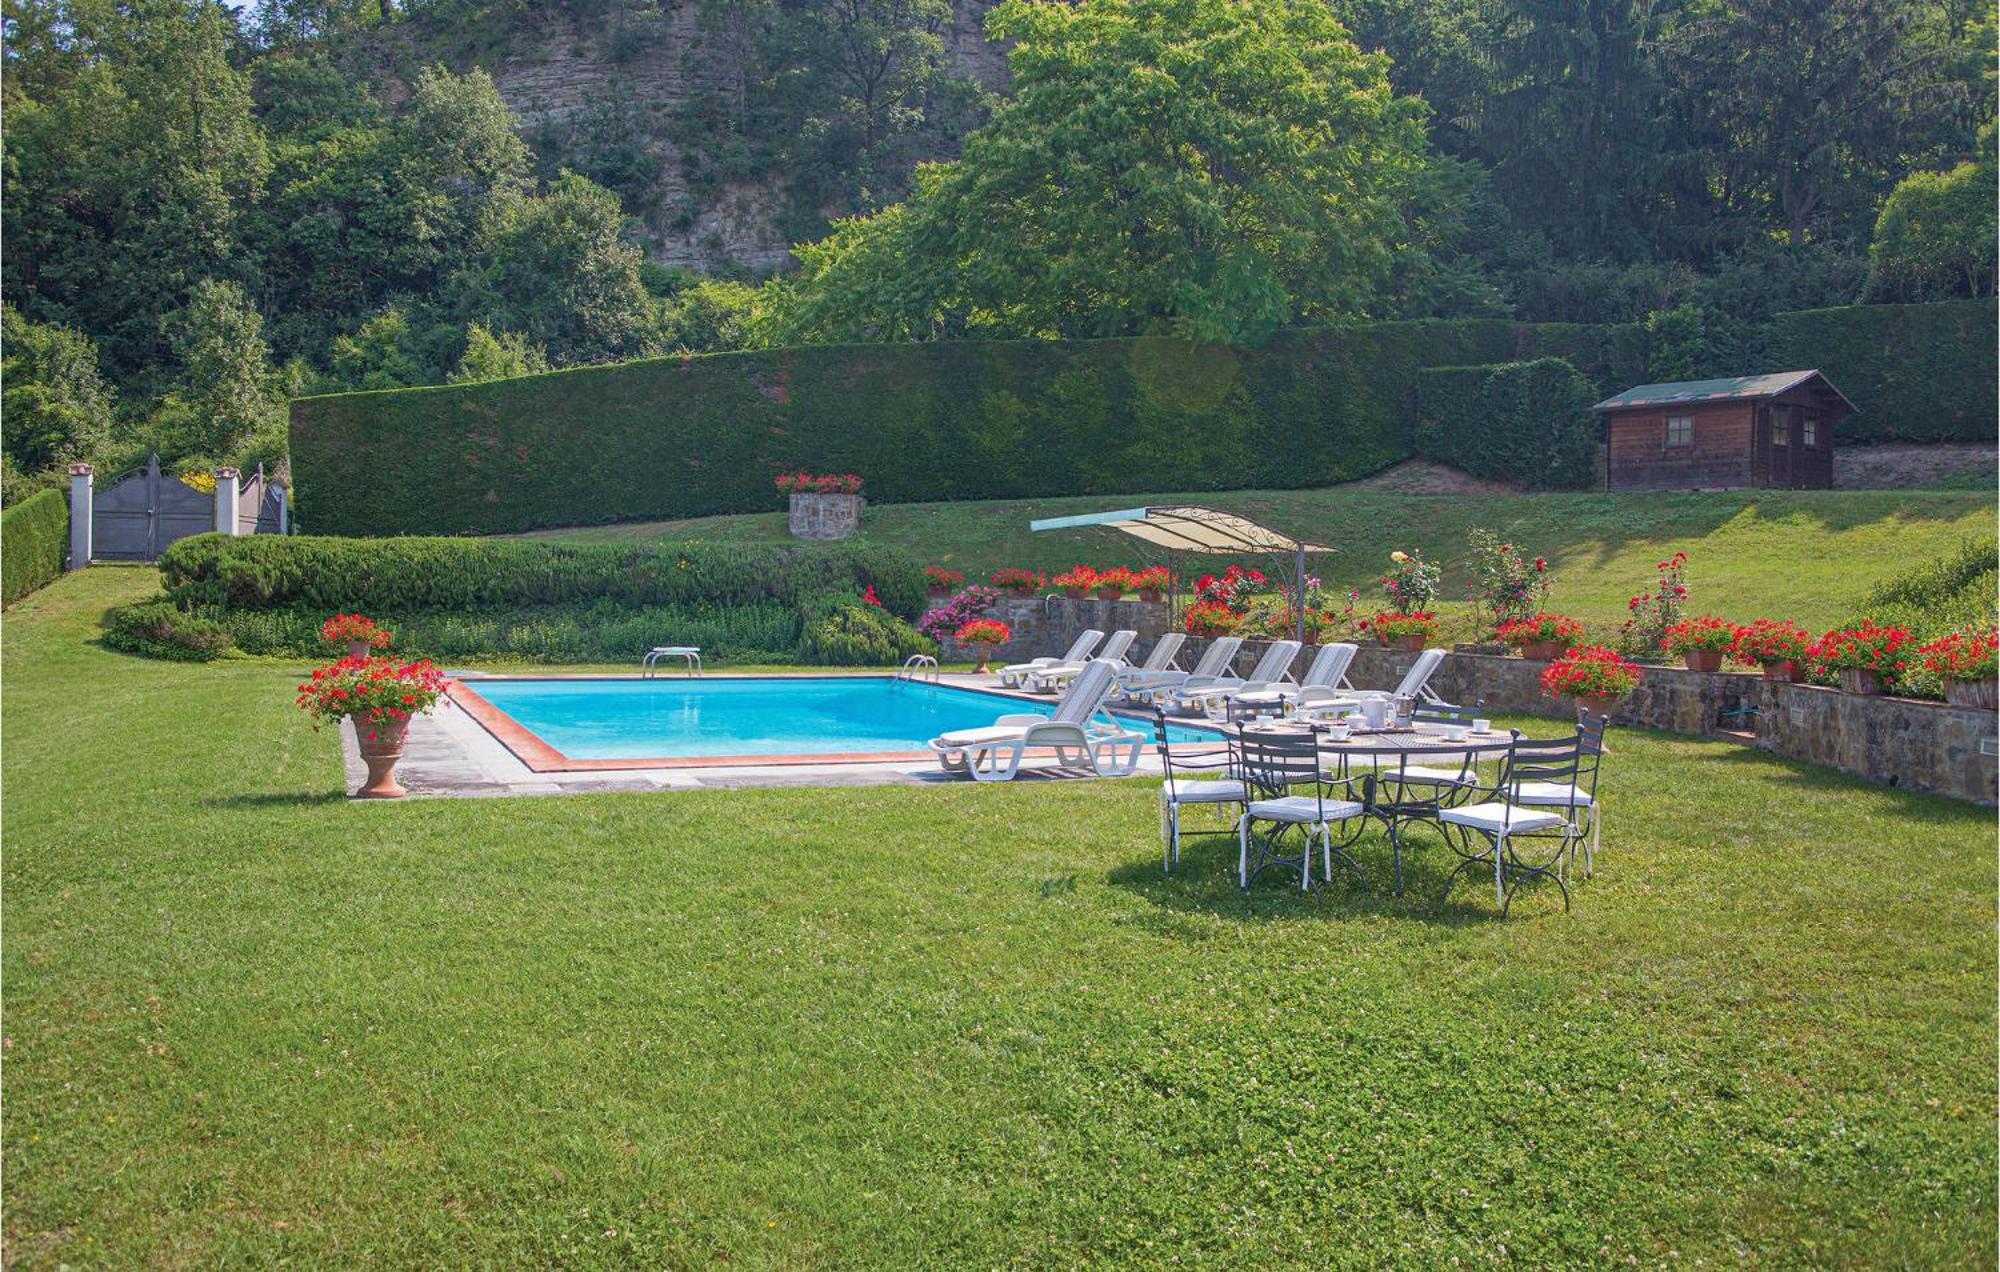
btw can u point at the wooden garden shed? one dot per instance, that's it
(1771, 430)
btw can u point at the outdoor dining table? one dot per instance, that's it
(1389, 802)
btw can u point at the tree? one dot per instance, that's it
(1214, 168)
(56, 405)
(556, 268)
(1935, 236)
(497, 357)
(388, 351)
(223, 390)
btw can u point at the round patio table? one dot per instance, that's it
(1391, 802)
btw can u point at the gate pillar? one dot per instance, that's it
(225, 500)
(79, 515)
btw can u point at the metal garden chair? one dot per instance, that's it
(1192, 782)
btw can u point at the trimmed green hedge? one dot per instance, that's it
(1524, 421)
(467, 599)
(34, 541)
(695, 436)
(1918, 373)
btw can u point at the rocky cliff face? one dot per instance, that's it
(561, 77)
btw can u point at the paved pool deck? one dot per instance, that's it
(451, 755)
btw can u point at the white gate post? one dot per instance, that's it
(79, 515)
(225, 500)
(284, 509)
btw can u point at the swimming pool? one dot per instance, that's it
(578, 722)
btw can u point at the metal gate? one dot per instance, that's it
(137, 518)
(260, 506)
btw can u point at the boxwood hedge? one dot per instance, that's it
(1525, 421)
(694, 436)
(1918, 373)
(34, 539)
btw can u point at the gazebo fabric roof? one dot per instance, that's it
(1187, 528)
(1737, 388)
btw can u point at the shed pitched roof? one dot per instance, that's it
(1735, 388)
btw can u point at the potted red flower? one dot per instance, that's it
(1111, 583)
(1017, 581)
(1866, 657)
(982, 636)
(1966, 662)
(1076, 581)
(1593, 678)
(1150, 583)
(358, 632)
(1403, 631)
(939, 581)
(1210, 618)
(1778, 647)
(822, 506)
(379, 695)
(1700, 641)
(1541, 635)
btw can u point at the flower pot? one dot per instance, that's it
(1545, 650)
(357, 649)
(1076, 593)
(937, 589)
(1593, 708)
(1151, 595)
(984, 655)
(1021, 590)
(381, 746)
(1110, 593)
(1784, 672)
(1413, 644)
(1702, 659)
(1865, 681)
(823, 517)
(1979, 694)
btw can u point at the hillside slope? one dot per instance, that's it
(1805, 555)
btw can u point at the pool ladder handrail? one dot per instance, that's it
(919, 665)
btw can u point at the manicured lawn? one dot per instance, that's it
(247, 1020)
(1804, 555)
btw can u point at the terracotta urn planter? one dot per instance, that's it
(1110, 593)
(1784, 672)
(1592, 708)
(1982, 695)
(1076, 593)
(1412, 644)
(1703, 659)
(1021, 590)
(1544, 650)
(983, 654)
(1865, 681)
(381, 746)
(358, 649)
(1151, 595)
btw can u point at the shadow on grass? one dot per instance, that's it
(1204, 883)
(278, 799)
(1932, 807)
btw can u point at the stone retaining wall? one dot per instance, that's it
(1045, 626)
(1901, 742)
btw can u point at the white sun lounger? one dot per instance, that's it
(1079, 649)
(1160, 659)
(1416, 684)
(1144, 685)
(1327, 671)
(1044, 679)
(1270, 669)
(1081, 735)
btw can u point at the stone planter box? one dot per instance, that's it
(1979, 695)
(823, 518)
(1044, 626)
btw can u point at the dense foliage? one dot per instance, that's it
(1914, 372)
(469, 599)
(34, 541)
(1522, 421)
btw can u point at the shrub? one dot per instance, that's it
(1966, 655)
(937, 576)
(1412, 582)
(1506, 584)
(941, 621)
(1520, 421)
(1652, 613)
(1913, 372)
(158, 629)
(34, 541)
(841, 631)
(1209, 618)
(1017, 580)
(1398, 626)
(1868, 646)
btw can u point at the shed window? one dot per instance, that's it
(1809, 432)
(1680, 430)
(1781, 433)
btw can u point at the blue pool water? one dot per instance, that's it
(797, 715)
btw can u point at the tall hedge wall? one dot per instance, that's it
(1524, 421)
(34, 539)
(1918, 373)
(693, 436)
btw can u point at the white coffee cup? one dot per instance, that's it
(1338, 732)
(1454, 733)
(1482, 726)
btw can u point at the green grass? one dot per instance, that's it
(1803, 555)
(249, 1021)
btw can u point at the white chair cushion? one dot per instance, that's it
(1417, 774)
(1304, 809)
(1551, 793)
(1498, 817)
(980, 737)
(1218, 792)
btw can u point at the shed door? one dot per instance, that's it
(1784, 440)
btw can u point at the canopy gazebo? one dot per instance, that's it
(1179, 528)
